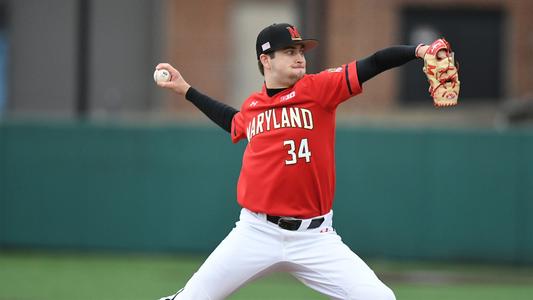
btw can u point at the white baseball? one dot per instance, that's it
(161, 75)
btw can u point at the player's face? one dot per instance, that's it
(288, 65)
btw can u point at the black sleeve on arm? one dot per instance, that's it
(218, 112)
(383, 60)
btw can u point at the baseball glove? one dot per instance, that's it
(441, 72)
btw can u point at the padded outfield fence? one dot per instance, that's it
(454, 194)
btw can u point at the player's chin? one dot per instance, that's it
(298, 73)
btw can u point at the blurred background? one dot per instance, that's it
(120, 189)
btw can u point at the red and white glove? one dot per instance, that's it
(442, 74)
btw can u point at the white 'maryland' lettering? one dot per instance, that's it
(286, 117)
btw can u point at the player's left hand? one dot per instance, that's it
(176, 82)
(441, 71)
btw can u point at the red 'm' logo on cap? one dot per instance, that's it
(295, 35)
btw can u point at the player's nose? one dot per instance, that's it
(300, 58)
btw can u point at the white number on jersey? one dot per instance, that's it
(303, 151)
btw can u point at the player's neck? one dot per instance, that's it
(272, 90)
(270, 84)
(273, 82)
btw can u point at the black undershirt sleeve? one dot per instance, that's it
(218, 112)
(383, 60)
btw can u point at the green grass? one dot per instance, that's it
(25, 276)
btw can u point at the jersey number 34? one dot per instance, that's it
(303, 151)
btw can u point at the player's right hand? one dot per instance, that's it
(176, 83)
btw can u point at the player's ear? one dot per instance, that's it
(265, 60)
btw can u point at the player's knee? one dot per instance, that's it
(387, 294)
(197, 294)
(189, 294)
(380, 292)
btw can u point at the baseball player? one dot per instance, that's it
(287, 181)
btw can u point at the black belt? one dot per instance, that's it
(293, 224)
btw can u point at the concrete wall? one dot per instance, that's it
(125, 41)
(43, 56)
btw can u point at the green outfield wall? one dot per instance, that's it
(447, 194)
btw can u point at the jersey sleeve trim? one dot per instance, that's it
(236, 128)
(352, 80)
(347, 79)
(233, 132)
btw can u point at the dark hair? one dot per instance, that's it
(260, 64)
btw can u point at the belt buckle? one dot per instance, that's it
(291, 224)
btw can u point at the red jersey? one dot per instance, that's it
(288, 167)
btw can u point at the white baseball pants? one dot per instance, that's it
(255, 247)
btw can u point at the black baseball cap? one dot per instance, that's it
(280, 36)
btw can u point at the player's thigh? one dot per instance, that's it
(247, 252)
(330, 267)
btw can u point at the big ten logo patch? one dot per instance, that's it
(288, 96)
